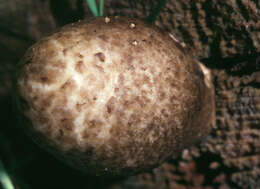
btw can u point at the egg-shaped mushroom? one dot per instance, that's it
(113, 96)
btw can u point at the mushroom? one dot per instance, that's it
(113, 96)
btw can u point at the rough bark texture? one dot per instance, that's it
(223, 34)
(209, 28)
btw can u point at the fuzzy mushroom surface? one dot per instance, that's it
(113, 96)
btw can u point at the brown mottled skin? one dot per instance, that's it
(113, 97)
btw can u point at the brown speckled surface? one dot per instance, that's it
(235, 76)
(110, 98)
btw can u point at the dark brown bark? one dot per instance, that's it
(209, 28)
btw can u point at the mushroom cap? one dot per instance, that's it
(113, 96)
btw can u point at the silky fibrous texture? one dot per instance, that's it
(113, 95)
